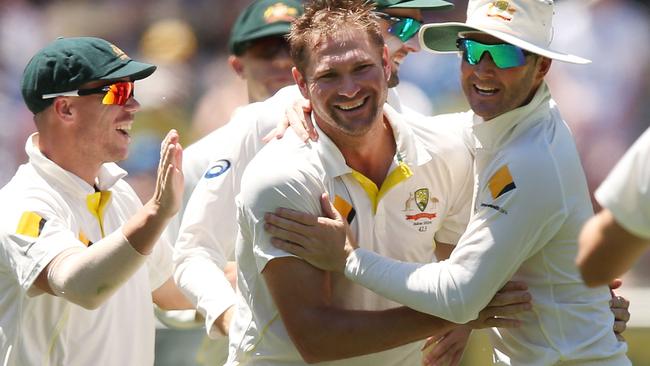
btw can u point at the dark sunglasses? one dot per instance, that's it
(116, 93)
(504, 55)
(403, 28)
(266, 48)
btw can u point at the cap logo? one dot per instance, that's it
(280, 13)
(501, 9)
(119, 53)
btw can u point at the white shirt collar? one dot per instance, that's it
(498, 131)
(109, 173)
(407, 148)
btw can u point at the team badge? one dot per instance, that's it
(280, 13)
(420, 218)
(501, 9)
(119, 53)
(501, 182)
(218, 168)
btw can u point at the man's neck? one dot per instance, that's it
(370, 154)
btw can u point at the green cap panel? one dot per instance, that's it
(67, 63)
(263, 18)
(414, 4)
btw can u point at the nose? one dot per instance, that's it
(348, 87)
(132, 105)
(485, 65)
(283, 60)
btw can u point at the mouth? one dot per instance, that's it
(124, 129)
(352, 105)
(485, 90)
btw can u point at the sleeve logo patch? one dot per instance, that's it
(344, 208)
(30, 224)
(218, 168)
(501, 182)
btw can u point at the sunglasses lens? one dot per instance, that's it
(405, 29)
(504, 55)
(118, 93)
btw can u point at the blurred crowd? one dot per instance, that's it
(194, 90)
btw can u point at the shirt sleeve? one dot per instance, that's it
(499, 238)
(626, 190)
(283, 186)
(32, 236)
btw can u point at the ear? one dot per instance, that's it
(237, 65)
(63, 109)
(544, 66)
(300, 81)
(385, 62)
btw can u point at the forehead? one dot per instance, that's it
(345, 47)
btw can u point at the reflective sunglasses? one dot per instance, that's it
(114, 94)
(403, 28)
(504, 55)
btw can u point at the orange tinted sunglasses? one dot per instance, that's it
(114, 94)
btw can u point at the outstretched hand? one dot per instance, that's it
(168, 193)
(513, 298)
(324, 242)
(298, 116)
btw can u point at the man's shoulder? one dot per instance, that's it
(443, 135)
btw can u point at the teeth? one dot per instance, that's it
(124, 128)
(349, 106)
(485, 90)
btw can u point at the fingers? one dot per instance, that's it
(292, 215)
(510, 297)
(502, 311)
(620, 326)
(295, 118)
(502, 323)
(619, 302)
(292, 248)
(514, 286)
(285, 234)
(328, 208)
(271, 135)
(616, 283)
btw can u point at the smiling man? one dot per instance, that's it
(79, 263)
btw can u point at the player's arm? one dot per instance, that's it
(607, 249)
(88, 276)
(322, 332)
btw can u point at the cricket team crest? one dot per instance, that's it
(422, 200)
(502, 10)
(280, 13)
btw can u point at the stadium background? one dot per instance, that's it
(193, 90)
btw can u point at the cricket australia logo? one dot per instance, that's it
(422, 200)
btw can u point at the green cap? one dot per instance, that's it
(263, 18)
(414, 4)
(67, 63)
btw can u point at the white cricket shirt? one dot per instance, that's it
(626, 190)
(47, 210)
(530, 202)
(423, 198)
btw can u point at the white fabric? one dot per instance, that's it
(626, 191)
(206, 240)
(290, 173)
(528, 233)
(87, 277)
(524, 23)
(48, 330)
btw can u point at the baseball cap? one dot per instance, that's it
(67, 63)
(527, 24)
(263, 18)
(415, 4)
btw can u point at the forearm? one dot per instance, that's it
(346, 333)
(144, 228)
(88, 277)
(206, 286)
(169, 297)
(439, 289)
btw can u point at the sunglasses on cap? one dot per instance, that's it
(504, 55)
(114, 94)
(403, 28)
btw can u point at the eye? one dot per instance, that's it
(363, 67)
